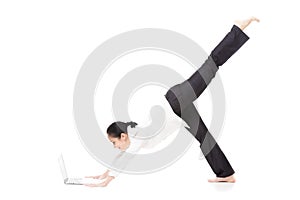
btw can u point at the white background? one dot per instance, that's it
(42, 48)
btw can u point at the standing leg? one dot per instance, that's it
(213, 153)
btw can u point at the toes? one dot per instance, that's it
(214, 180)
(219, 180)
(255, 19)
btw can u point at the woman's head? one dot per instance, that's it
(117, 133)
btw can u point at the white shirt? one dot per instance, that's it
(172, 125)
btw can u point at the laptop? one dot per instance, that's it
(74, 181)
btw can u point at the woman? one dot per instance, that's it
(180, 98)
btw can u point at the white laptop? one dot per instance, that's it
(74, 181)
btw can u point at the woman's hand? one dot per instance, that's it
(102, 184)
(102, 176)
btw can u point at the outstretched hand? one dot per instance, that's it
(102, 184)
(102, 176)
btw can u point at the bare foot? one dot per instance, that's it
(228, 179)
(242, 24)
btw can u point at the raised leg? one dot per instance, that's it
(232, 42)
(189, 90)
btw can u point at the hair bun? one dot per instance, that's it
(131, 124)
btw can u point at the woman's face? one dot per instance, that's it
(120, 143)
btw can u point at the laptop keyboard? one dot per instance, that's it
(75, 180)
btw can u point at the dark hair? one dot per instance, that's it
(116, 128)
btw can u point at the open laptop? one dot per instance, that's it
(74, 181)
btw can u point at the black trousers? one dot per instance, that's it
(182, 96)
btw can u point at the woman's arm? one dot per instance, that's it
(119, 162)
(102, 176)
(122, 160)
